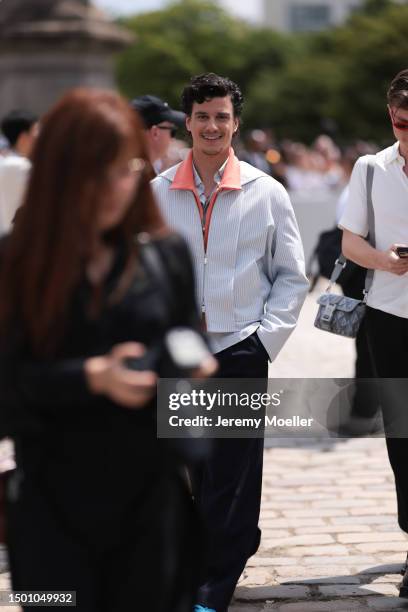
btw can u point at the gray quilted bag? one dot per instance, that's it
(339, 314)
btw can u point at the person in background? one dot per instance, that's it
(327, 157)
(256, 147)
(301, 171)
(97, 503)
(261, 150)
(4, 146)
(161, 123)
(386, 319)
(20, 129)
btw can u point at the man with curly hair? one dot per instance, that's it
(251, 284)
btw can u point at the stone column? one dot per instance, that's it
(49, 46)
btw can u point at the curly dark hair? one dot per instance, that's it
(207, 86)
(398, 92)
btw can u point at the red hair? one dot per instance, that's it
(46, 253)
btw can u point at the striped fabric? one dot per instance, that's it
(200, 185)
(252, 275)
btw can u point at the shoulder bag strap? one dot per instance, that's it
(371, 223)
(341, 261)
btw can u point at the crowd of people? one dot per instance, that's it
(323, 165)
(115, 234)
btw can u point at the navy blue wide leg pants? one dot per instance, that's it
(227, 489)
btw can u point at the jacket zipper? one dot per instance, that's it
(204, 274)
(203, 223)
(209, 205)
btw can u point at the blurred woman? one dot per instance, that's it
(96, 504)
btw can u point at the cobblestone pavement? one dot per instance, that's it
(330, 537)
(330, 541)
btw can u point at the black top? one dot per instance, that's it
(89, 458)
(40, 395)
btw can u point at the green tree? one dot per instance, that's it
(374, 7)
(371, 50)
(191, 37)
(186, 38)
(338, 77)
(294, 102)
(297, 84)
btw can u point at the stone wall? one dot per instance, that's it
(36, 81)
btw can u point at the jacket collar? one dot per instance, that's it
(248, 173)
(392, 154)
(184, 174)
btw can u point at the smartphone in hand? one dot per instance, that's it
(182, 351)
(402, 251)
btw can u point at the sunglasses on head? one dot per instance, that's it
(399, 124)
(172, 130)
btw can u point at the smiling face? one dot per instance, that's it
(212, 125)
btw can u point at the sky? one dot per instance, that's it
(249, 10)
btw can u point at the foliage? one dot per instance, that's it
(372, 51)
(374, 7)
(191, 37)
(299, 85)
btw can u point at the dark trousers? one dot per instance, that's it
(388, 342)
(365, 401)
(227, 489)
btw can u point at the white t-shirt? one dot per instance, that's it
(14, 172)
(388, 292)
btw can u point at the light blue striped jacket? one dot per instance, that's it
(251, 269)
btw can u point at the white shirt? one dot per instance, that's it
(200, 185)
(342, 203)
(14, 173)
(389, 292)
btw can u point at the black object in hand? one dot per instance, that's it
(182, 351)
(148, 361)
(402, 251)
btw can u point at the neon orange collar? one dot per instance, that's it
(231, 178)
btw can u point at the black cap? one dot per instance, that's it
(153, 111)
